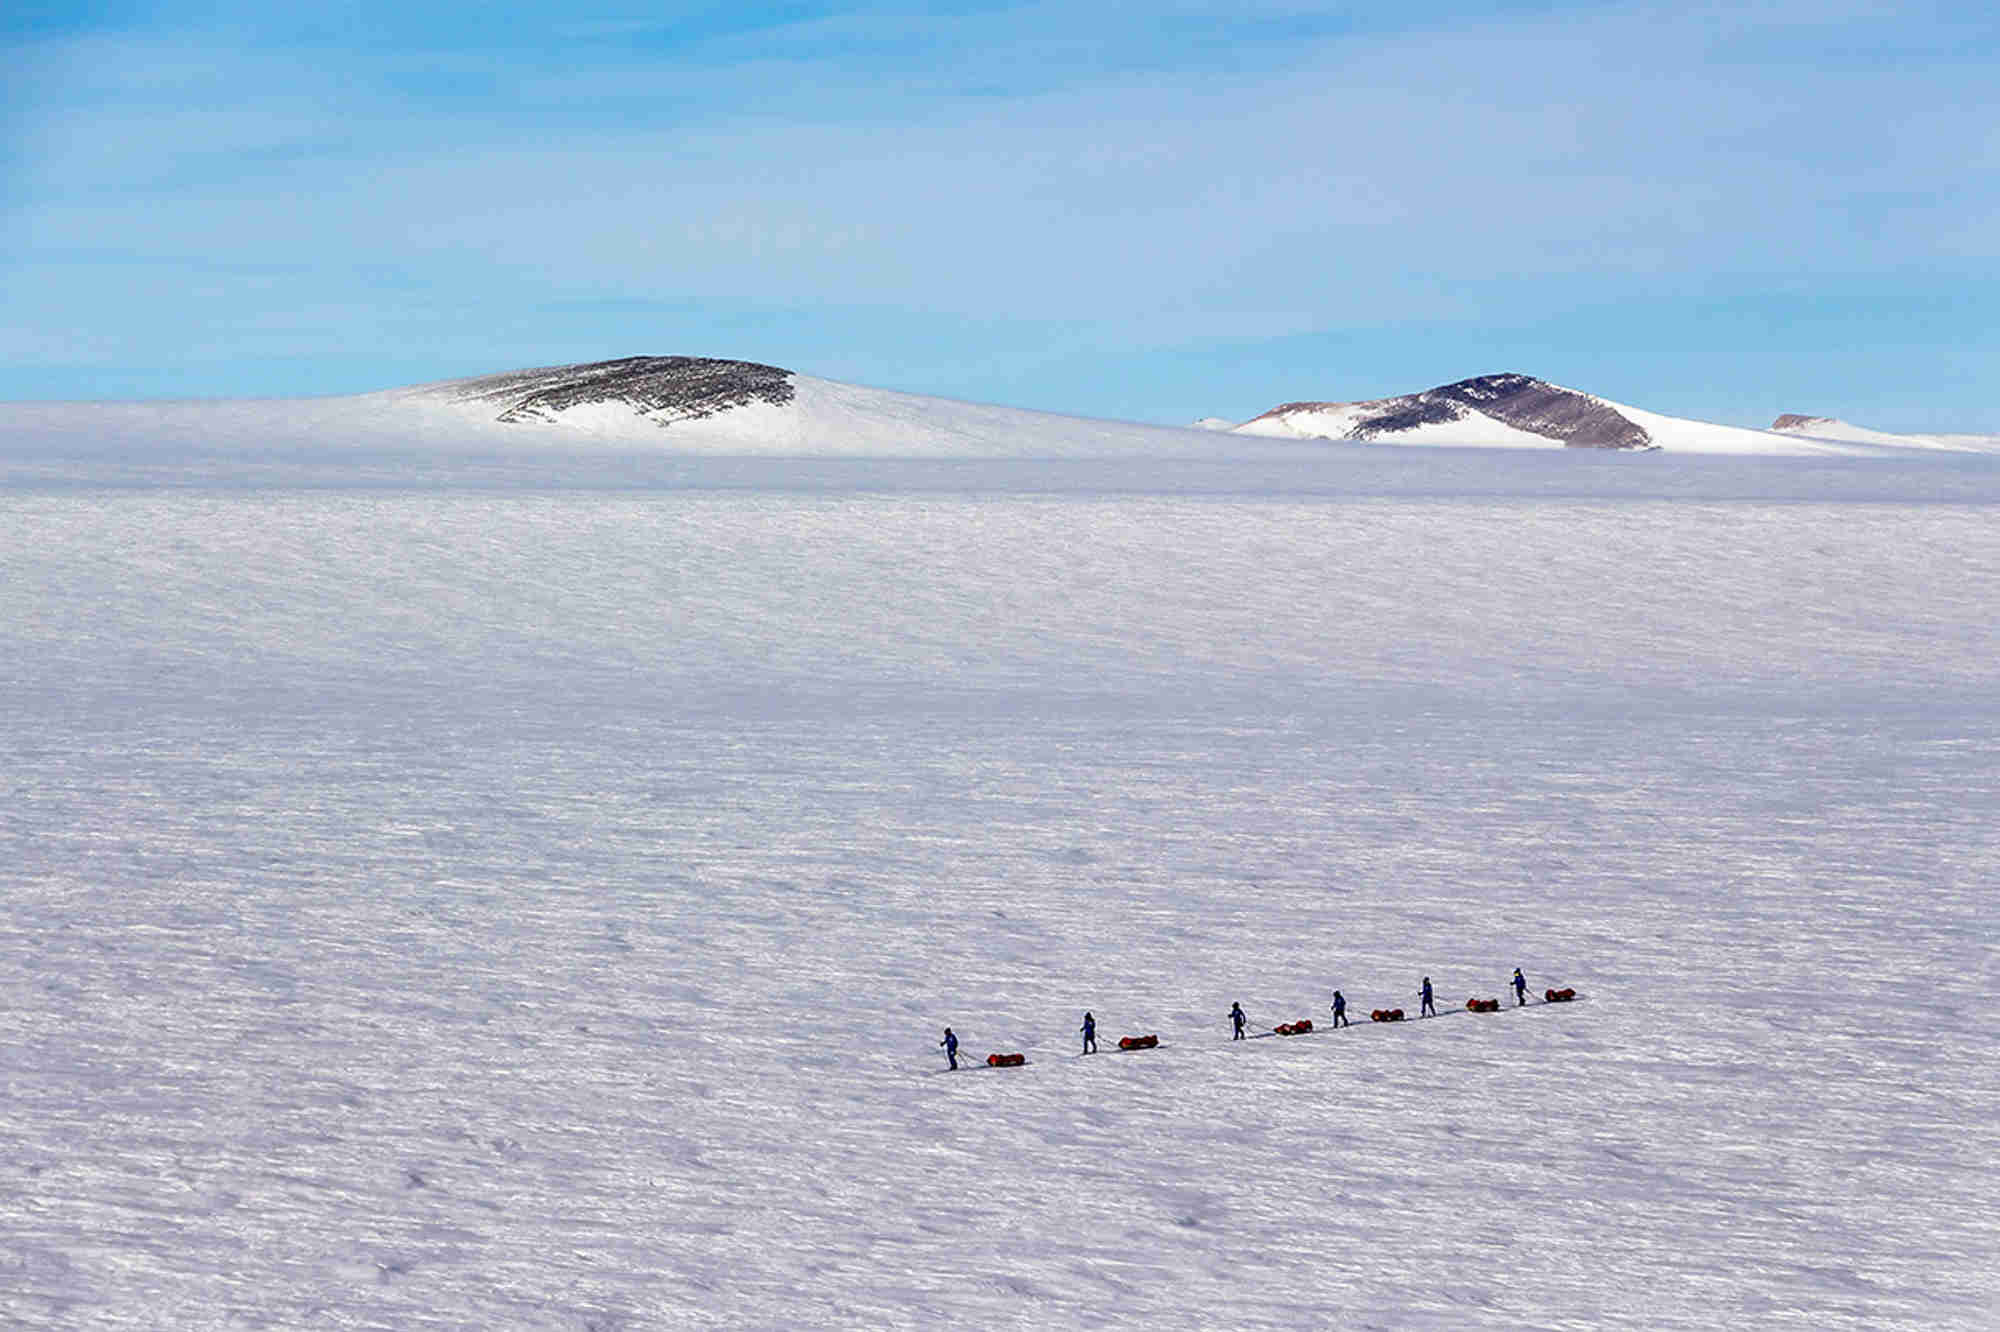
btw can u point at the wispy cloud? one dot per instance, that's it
(1161, 174)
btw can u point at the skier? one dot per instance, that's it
(1429, 1010)
(1236, 1016)
(1089, 1034)
(1340, 1010)
(950, 1044)
(1520, 988)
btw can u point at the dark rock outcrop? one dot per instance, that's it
(1792, 421)
(1521, 401)
(664, 389)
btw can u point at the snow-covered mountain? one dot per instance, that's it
(1507, 409)
(1520, 411)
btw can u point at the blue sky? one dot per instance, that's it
(1148, 211)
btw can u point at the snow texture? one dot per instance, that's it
(525, 888)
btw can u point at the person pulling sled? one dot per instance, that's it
(1089, 1030)
(950, 1044)
(1429, 1009)
(1340, 1010)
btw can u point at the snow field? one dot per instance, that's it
(453, 908)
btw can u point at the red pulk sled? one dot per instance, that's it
(1137, 1042)
(1299, 1028)
(1559, 996)
(1006, 1060)
(1483, 1005)
(1387, 1015)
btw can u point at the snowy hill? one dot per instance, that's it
(1520, 411)
(1834, 429)
(1509, 410)
(649, 404)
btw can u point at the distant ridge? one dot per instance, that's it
(716, 406)
(1833, 428)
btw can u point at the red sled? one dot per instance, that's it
(1387, 1015)
(1138, 1042)
(1483, 1005)
(1006, 1060)
(1559, 996)
(1299, 1028)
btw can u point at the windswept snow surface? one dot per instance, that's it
(528, 892)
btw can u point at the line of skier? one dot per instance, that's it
(1239, 1020)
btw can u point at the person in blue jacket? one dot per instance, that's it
(1236, 1016)
(950, 1044)
(1429, 1009)
(1340, 1010)
(1089, 1034)
(1520, 988)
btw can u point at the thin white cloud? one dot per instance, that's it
(1352, 178)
